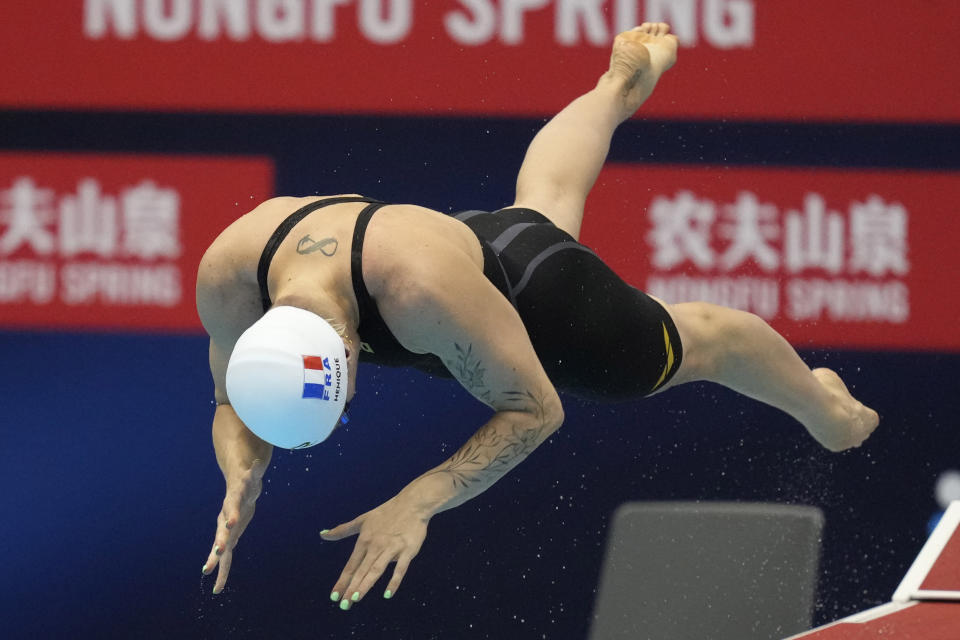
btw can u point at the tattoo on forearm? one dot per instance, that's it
(327, 246)
(489, 453)
(468, 369)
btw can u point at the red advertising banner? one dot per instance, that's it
(858, 60)
(831, 258)
(111, 241)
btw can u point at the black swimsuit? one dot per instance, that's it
(596, 336)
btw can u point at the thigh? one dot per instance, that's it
(700, 326)
(596, 335)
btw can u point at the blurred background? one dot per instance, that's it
(800, 162)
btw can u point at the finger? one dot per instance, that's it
(403, 563)
(230, 527)
(369, 572)
(225, 561)
(340, 588)
(220, 539)
(212, 560)
(345, 530)
(235, 527)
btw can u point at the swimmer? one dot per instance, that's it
(298, 291)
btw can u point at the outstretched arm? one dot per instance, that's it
(451, 310)
(242, 457)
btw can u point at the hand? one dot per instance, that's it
(238, 508)
(390, 533)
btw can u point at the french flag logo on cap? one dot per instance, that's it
(317, 377)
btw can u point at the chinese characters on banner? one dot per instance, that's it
(739, 59)
(114, 242)
(830, 258)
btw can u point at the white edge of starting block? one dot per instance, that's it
(909, 592)
(909, 588)
(864, 616)
(879, 612)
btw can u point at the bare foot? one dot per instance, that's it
(850, 422)
(640, 56)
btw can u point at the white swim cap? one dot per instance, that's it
(287, 378)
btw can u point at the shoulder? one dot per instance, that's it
(408, 249)
(227, 302)
(228, 299)
(229, 256)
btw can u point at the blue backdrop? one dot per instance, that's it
(110, 490)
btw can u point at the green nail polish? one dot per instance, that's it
(355, 597)
(215, 592)
(325, 532)
(388, 594)
(216, 549)
(345, 604)
(204, 570)
(335, 596)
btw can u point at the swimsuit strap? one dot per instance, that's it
(365, 305)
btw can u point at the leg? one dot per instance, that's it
(741, 351)
(565, 157)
